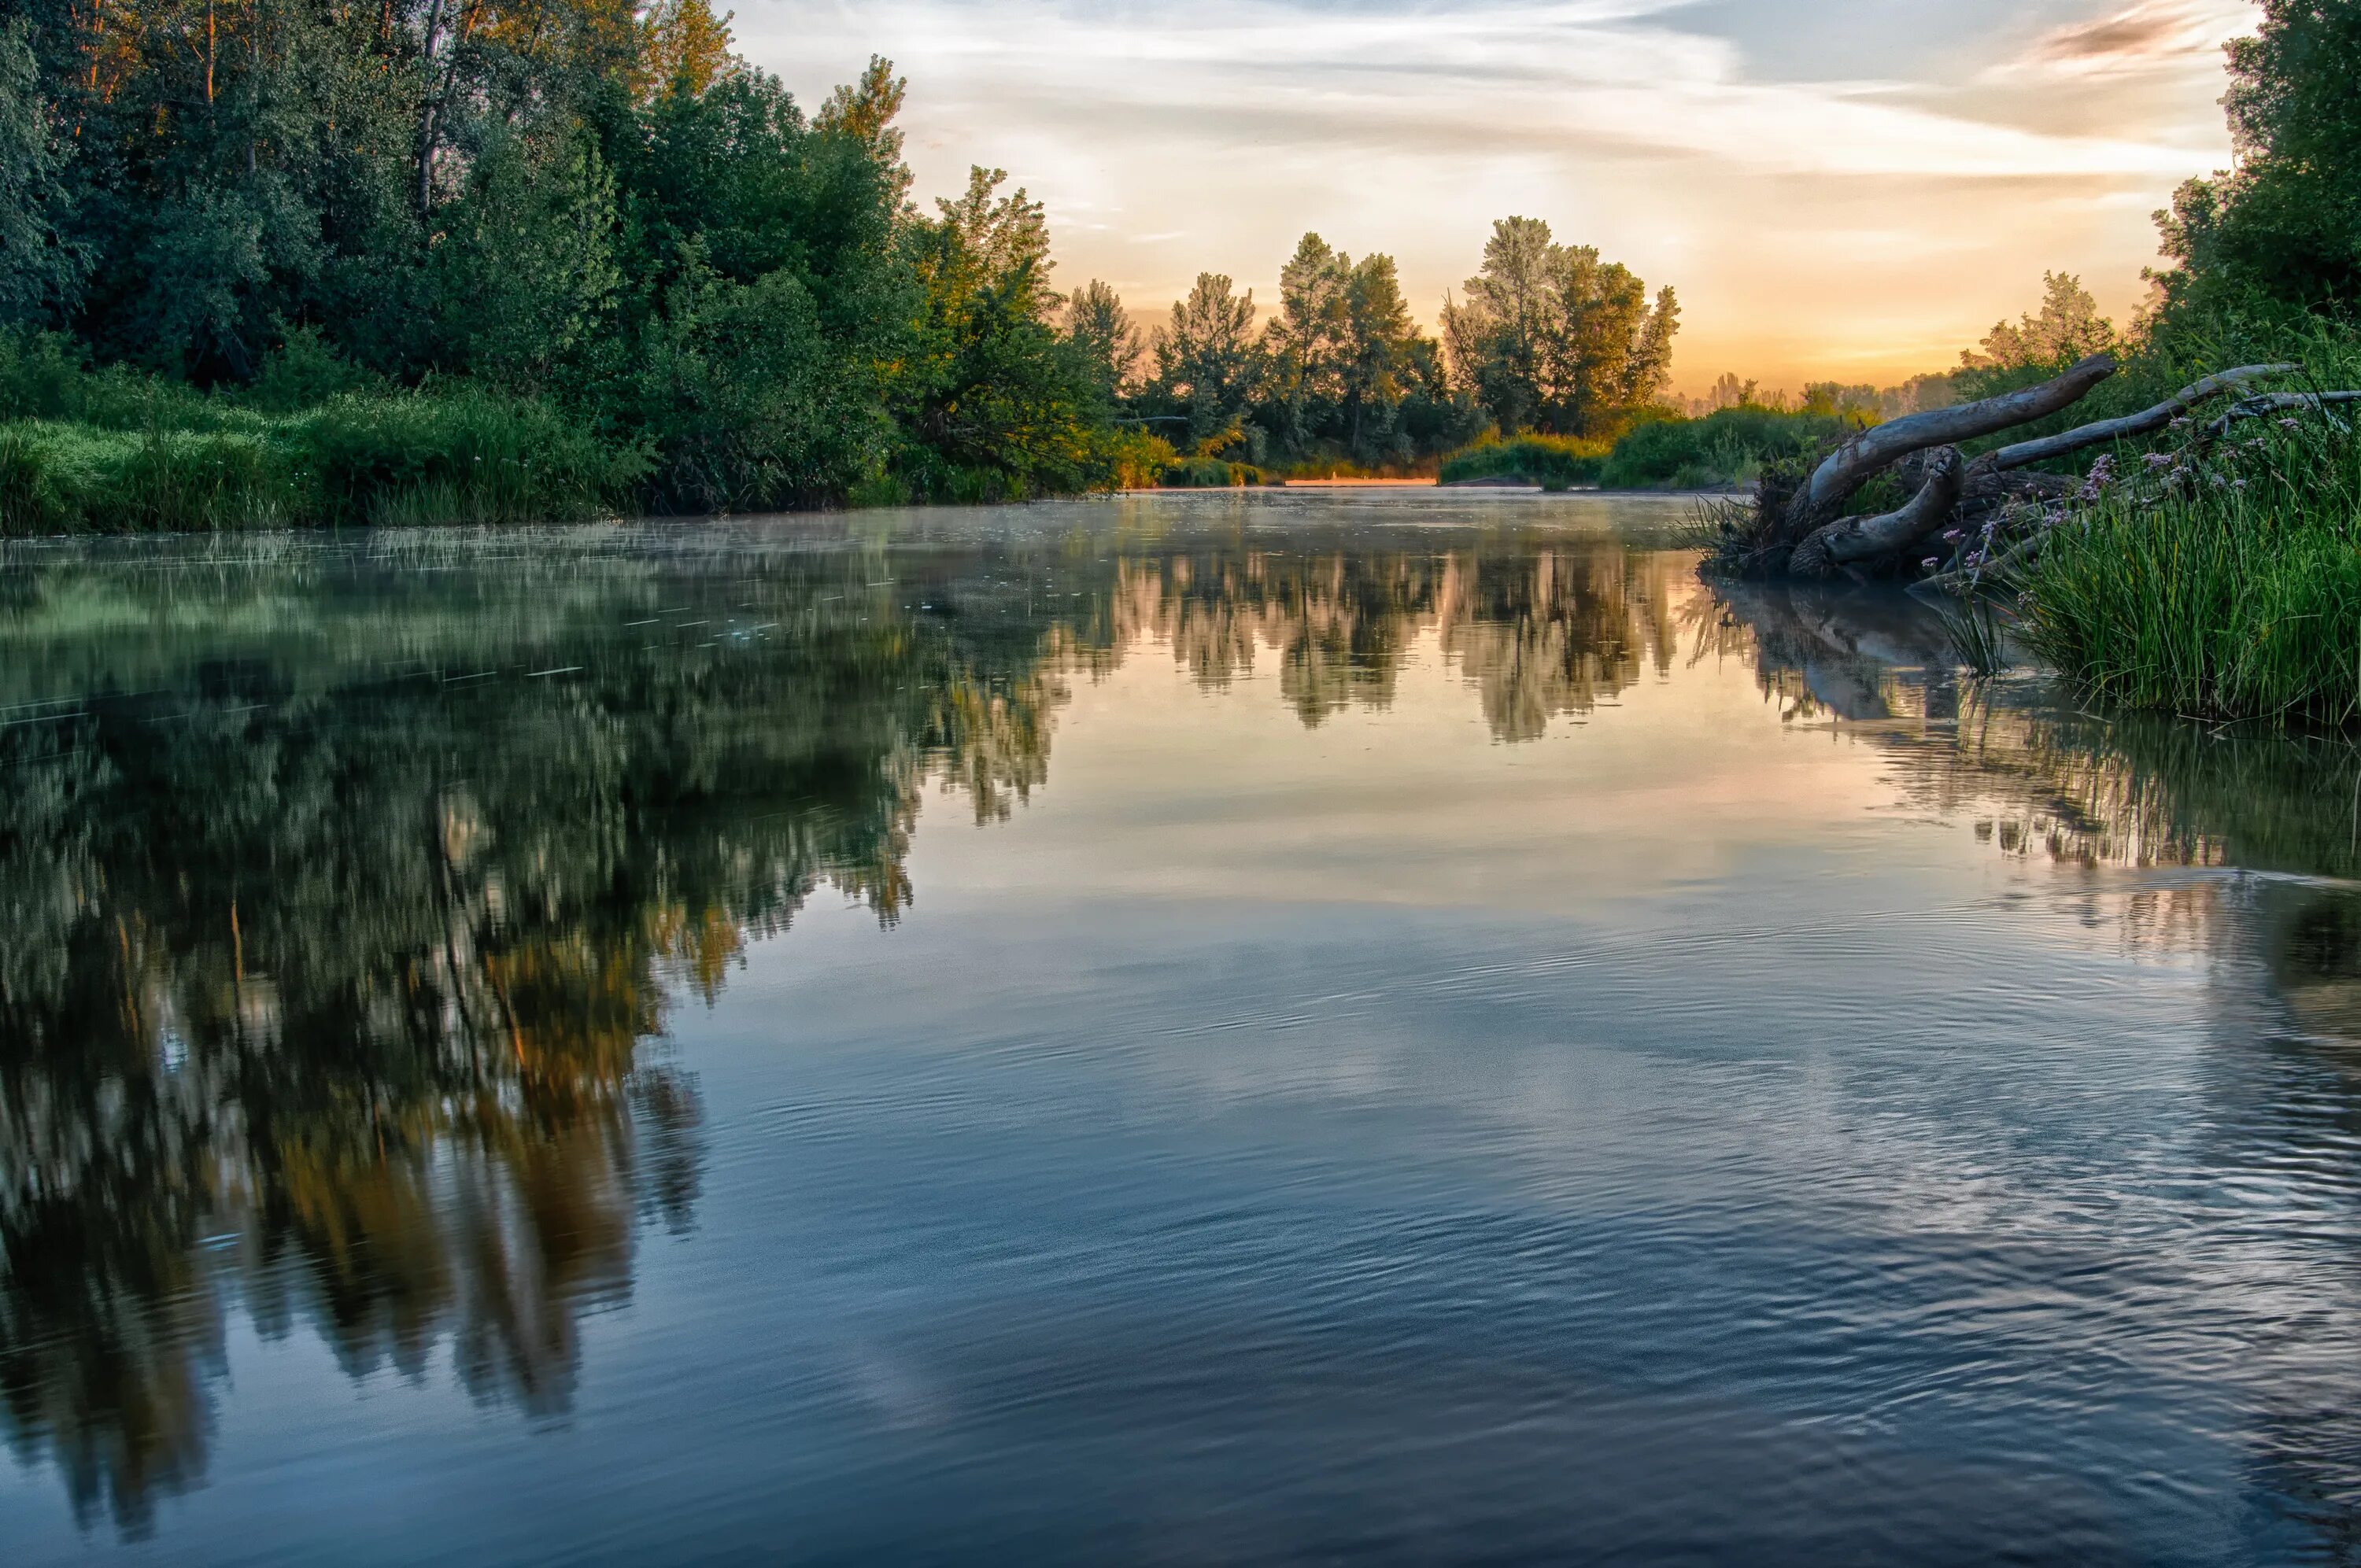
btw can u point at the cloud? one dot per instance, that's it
(1868, 216)
(2139, 37)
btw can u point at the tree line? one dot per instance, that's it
(599, 207)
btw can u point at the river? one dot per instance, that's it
(1388, 1027)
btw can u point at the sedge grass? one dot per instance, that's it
(2229, 588)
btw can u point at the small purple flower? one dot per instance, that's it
(2290, 424)
(1930, 562)
(1954, 534)
(2157, 459)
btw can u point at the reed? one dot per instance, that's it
(2221, 582)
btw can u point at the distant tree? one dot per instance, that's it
(1208, 366)
(2067, 328)
(1306, 343)
(1551, 338)
(1105, 338)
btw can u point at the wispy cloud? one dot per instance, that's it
(2139, 38)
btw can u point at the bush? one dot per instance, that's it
(304, 372)
(1725, 448)
(463, 456)
(1553, 462)
(1209, 474)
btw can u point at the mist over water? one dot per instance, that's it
(1185, 1028)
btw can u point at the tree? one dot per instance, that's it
(1384, 355)
(1552, 338)
(1105, 338)
(525, 279)
(40, 270)
(2065, 329)
(995, 406)
(2284, 226)
(1208, 366)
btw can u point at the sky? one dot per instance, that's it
(1849, 190)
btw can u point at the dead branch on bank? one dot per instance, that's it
(1805, 534)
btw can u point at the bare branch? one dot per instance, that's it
(1851, 465)
(1855, 540)
(2146, 422)
(2277, 402)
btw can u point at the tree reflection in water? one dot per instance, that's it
(348, 891)
(329, 975)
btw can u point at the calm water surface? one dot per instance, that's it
(1380, 1028)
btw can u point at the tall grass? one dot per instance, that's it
(1553, 462)
(466, 457)
(463, 456)
(1725, 448)
(64, 479)
(2222, 582)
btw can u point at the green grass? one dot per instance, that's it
(1553, 462)
(1727, 447)
(1208, 474)
(2233, 595)
(419, 457)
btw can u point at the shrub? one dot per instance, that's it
(1553, 462)
(1209, 474)
(462, 456)
(1725, 448)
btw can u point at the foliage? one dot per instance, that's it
(1553, 462)
(1725, 448)
(2282, 232)
(2224, 583)
(1208, 474)
(1550, 338)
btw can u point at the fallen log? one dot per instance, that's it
(2278, 402)
(2025, 454)
(1858, 461)
(1852, 541)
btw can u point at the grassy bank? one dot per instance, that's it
(1553, 462)
(115, 451)
(1728, 447)
(2220, 581)
(467, 458)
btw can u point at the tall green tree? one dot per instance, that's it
(1209, 367)
(1551, 337)
(40, 270)
(2284, 226)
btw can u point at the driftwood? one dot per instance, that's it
(1875, 450)
(1854, 540)
(1808, 536)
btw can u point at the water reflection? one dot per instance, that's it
(334, 955)
(350, 890)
